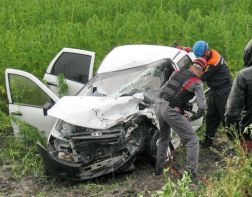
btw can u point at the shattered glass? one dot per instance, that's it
(148, 82)
(145, 79)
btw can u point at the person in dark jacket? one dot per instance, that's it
(219, 80)
(173, 98)
(239, 105)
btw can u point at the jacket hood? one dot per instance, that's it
(95, 112)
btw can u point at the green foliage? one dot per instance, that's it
(3, 98)
(21, 152)
(30, 39)
(179, 189)
(235, 180)
(63, 87)
(4, 122)
(33, 31)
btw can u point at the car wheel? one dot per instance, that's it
(151, 146)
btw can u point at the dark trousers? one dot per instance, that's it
(217, 100)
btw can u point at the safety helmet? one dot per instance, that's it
(247, 54)
(201, 63)
(200, 47)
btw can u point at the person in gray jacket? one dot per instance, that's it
(173, 99)
(239, 105)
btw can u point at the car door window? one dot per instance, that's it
(184, 62)
(26, 92)
(74, 66)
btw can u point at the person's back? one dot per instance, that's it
(239, 105)
(240, 98)
(173, 97)
(243, 94)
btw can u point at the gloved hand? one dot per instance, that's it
(186, 49)
(230, 120)
(231, 126)
(188, 106)
(197, 115)
(192, 118)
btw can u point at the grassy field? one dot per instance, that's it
(33, 31)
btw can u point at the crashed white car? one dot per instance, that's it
(101, 127)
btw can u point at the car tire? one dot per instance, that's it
(151, 146)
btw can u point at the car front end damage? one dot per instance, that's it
(109, 123)
(80, 153)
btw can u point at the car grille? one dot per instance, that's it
(111, 136)
(91, 145)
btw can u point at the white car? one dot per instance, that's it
(101, 127)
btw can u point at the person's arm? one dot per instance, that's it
(213, 64)
(187, 49)
(211, 70)
(201, 101)
(236, 99)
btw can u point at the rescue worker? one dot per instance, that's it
(173, 98)
(239, 105)
(219, 80)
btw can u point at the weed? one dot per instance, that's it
(181, 188)
(30, 39)
(63, 88)
(21, 152)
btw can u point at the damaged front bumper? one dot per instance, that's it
(74, 171)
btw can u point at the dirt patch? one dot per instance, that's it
(126, 184)
(142, 180)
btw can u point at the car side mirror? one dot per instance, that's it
(46, 107)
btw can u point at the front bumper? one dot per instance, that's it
(74, 171)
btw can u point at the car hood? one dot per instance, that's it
(95, 112)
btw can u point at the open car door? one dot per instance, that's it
(76, 66)
(26, 97)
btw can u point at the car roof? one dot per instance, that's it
(129, 56)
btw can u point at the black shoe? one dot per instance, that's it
(158, 171)
(194, 178)
(207, 142)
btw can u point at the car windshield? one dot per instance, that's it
(145, 79)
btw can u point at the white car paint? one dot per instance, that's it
(73, 86)
(129, 56)
(95, 112)
(31, 114)
(123, 57)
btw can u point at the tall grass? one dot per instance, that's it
(234, 180)
(19, 153)
(33, 31)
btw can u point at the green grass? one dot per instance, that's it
(19, 153)
(33, 31)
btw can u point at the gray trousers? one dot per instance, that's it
(171, 118)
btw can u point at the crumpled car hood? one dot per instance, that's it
(95, 112)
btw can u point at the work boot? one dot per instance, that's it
(207, 142)
(159, 167)
(158, 171)
(194, 178)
